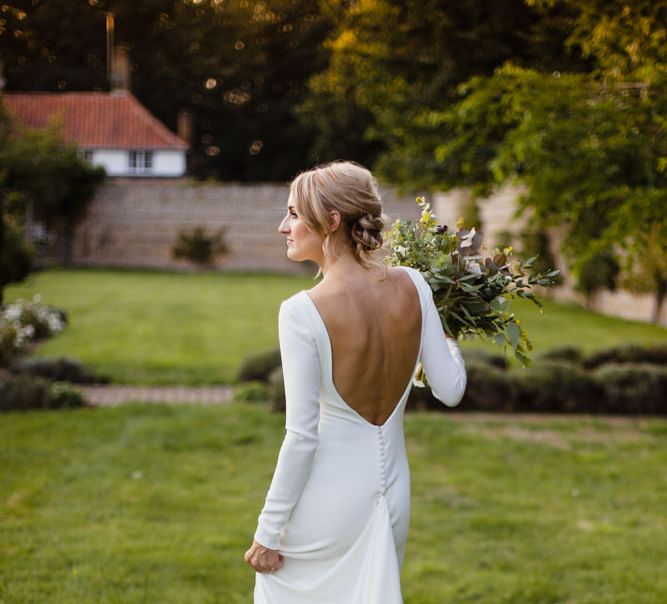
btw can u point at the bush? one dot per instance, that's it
(557, 386)
(630, 353)
(43, 320)
(24, 392)
(277, 389)
(257, 367)
(22, 322)
(490, 388)
(600, 271)
(198, 246)
(251, 392)
(482, 357)
(63, 396)
(566, 354)
(61, 369)
(634, 388)
(17, 254)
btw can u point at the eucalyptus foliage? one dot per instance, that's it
(473, 293)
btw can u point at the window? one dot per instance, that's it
(141, 162)
(86, 154)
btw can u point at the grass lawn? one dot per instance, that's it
(142, 504)
(155, 327)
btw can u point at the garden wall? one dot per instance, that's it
(134, 222)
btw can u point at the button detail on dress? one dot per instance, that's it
(381, 451)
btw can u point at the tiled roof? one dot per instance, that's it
(94, 119)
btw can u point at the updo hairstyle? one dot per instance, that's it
(351, 190)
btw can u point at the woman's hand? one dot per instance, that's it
(263, 559)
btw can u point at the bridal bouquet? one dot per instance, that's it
(473, 293)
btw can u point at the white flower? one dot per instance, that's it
(473, 267)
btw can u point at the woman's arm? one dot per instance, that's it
(301, 373)
(441, 356)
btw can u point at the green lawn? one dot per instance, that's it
(144, 504)
(156, 327)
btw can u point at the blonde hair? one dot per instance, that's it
(352, 190)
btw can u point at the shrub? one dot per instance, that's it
(630, 353)
(44, 320)
(490, 388)
(566, 354)
(557, 386)
(422, 399)
(277, 389)
(24, 392)
(63, 396)
(198, 246)
(483, 357)
(17, 253)
(251, 392)
(21, 322)
(258, 366)
(634, 387)
(61, 369)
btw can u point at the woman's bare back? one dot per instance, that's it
(374, 328)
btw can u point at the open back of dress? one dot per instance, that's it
(339, 504)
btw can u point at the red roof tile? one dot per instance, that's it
(94, 119)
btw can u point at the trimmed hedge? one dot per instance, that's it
(489, 389)
(258, 367)
(277, 389)
(251, 392)
(482, 357)
(630, 353)
(634, 387)
(25, 392)
(556, 386)
(61, 369)
(566, 354)
(558, 382)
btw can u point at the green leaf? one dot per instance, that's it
(514, 334)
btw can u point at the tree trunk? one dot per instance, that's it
(67, 242)
(2, 244)
(660, 294)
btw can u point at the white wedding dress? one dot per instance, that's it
(339, 503)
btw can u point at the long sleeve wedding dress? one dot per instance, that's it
(339, 503)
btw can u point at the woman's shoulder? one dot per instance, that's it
(294, 303)
(416, 276)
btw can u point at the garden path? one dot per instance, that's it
(115, 395)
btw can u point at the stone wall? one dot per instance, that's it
(134, 223)
(497, 214)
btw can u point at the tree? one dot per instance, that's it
(589, 147)
(241, 68)
(648, 274)
(45, 175)
(393, 62)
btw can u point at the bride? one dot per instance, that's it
(334, 525)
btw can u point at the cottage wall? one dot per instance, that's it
(168, 163)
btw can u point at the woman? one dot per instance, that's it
(335, 522)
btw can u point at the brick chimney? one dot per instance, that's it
(185, 127)
(120, 70)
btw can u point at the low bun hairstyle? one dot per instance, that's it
(351, 190)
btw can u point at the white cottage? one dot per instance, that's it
(112, 129)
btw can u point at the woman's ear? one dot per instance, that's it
(334, 220)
